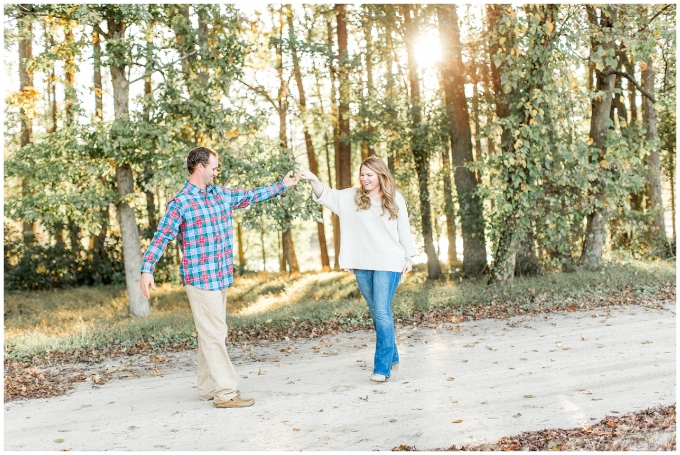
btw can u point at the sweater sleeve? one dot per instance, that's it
(404, 228)
(329, 198)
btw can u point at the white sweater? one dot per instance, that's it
(369, 240)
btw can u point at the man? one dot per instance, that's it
(200, 217)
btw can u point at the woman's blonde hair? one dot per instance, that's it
(387, 186)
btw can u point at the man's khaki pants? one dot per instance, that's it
(216, 375)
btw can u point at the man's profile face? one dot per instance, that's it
(209, 172)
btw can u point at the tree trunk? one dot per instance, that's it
(369, 130)
(591, 255)
(282, 255)
(132, 255)
(508, 243)
(452, 254)
(282, 98)
(389, 88)
(336, 148)
(264, 250)
(654, 171)
(420, 154)
(70, 96)
(453, 75)
(97, 56)
(74, 237)
(241, 252)
(25, 84)
(311, 154)
(344, 148)
(99, 239)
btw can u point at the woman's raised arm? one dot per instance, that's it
(317, 186)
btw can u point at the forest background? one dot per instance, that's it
(526, 139)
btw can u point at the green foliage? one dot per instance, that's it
(256, 162)
(37, 266)
(56, 189)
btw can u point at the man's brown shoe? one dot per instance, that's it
(236, 402)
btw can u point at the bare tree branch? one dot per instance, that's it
(260, 91)
(609, 72)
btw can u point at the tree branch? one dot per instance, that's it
(162, 67)
(654, 17)
(101, 32)
(609, 72)
(260, 91)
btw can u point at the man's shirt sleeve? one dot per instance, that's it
(243, 198)
(167, 231)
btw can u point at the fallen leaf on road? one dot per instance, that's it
(458, 421)
(296, 429)
(517, 415)
(646, 342)
(260, 373)
(450, 378)
(528, 396)
(58, 441)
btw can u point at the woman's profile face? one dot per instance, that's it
(369, 179)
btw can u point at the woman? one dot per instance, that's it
(375, 244)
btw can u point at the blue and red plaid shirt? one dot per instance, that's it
(201, 222)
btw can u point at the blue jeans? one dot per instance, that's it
(378, 288)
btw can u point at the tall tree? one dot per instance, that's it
(26, 88)
(418, 143)
(117, 23)
(311, 154)
(471, 211)
(282, 99)
(654, 161)
(344, 159)
(98, 240)
(591, 255)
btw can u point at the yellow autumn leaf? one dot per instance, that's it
(534, 112)
(550, 27)
(604, 164)
(590, 140)
(501, 40)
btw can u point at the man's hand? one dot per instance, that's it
(407, 268)
(147, 279)
(289, 180)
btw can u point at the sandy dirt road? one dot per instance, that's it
(493, 377)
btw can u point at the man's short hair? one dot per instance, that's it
(199, 155)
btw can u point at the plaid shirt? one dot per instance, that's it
(201, 221)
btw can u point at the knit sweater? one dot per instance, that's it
(369, 240)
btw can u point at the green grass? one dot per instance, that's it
(95, 317)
